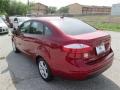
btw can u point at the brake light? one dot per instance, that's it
(77, 48)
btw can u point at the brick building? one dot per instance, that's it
(38, 9)
(87, 10)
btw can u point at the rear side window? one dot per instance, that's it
(73, 26)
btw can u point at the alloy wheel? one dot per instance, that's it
(43, 69)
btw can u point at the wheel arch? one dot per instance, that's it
(37, 58)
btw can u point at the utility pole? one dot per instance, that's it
(28, 2)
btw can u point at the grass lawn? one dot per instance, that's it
(111, 23)
(106, 26)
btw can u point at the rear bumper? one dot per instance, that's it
(86, 71)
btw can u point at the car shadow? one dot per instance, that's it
(25, 76)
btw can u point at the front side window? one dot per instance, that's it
(25, 27)
(36, 28)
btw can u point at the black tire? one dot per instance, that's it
(48, 77)
(15, 49)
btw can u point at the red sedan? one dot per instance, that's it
(64, 47)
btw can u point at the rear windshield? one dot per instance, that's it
(73, 26)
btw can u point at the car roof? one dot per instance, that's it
(22, 17)
(48, 19)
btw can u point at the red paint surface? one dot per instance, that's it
(67, 64)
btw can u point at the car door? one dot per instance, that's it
(21, 37)
(39, 39)
(34, 38)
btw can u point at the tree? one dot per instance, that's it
(63, 10)
(52, 10)
(21, 8)
(17, 8)
(13, 7)
(4, 6)
(12, 10)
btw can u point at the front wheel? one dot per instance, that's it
(44, 70)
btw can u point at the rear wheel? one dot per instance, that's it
(44, 70)
(15, 49)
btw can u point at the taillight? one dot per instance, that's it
(77, 48)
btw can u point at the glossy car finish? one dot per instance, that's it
(61, 50)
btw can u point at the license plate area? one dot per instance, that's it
(100, 49)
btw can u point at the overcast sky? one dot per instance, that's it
(60, 3)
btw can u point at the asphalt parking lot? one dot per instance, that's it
(17, 72)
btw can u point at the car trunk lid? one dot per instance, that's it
(94, 40)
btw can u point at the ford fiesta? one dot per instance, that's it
(64, 47)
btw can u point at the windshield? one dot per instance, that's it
(73, 26)
(1, 21)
